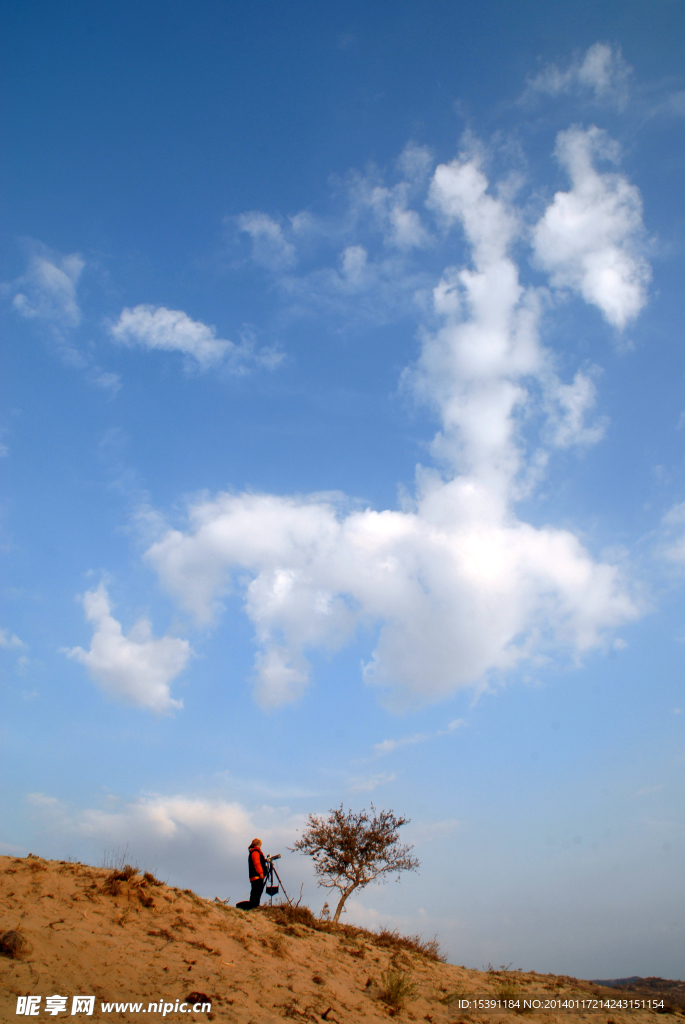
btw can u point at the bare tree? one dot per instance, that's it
(351, 849)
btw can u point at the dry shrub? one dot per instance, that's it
(395, 989)
(14, 945)
(429, 948)
(508, 990)
(282, 913)
(112, 883)
(151, 880)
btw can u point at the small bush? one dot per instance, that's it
(151, 880)
(395, 989)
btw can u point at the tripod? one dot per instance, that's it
(271, 889)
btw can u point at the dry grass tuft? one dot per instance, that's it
(282, 913)
(112, 884)
(395, 989)
(429, 948)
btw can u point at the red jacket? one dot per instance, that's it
(256, 863)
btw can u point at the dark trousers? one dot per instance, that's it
(256, 890)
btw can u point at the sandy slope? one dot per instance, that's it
(135, 940)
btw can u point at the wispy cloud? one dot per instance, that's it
(360, 264)
(367, 784)
(10, 640)
(47, 290)
(388, 746)
(601, 73)
(648, 790)
(270, 247)
(47, 294)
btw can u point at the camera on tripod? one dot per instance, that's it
(271, 889)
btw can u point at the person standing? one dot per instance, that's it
(258, 867)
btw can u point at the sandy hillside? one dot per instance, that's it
(68, 929)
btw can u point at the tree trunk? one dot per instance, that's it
(341, 904)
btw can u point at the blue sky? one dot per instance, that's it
(342, 429)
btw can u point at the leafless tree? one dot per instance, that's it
(351, 849)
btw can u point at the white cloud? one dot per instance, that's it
(589, 239)
(172, 330)
(458, 586)
(200, 841)
(136, 668)
(601, 71)
(47, 291)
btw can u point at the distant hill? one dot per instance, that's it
(673, 992)
(122, 938)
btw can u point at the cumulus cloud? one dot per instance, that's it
(457, 585)
(172, 330)
(199, 841)
(47, 291)
(136, 668)
(600, 72)
(589, 238)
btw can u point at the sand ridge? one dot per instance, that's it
(85, 931)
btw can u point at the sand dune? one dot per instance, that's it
(68, 929)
